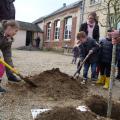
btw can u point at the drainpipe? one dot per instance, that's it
(82, 9)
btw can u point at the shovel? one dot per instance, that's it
(77, 73)
(17, 73)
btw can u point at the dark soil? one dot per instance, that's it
(98, 105)
(58, 85)
(68, 113)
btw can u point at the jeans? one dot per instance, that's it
(93, 70)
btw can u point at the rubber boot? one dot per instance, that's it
(107, 82)
(101, 80)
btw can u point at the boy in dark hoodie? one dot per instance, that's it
(88, 45)
(105, 59)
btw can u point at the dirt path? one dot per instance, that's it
(16, 105)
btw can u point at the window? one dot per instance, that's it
(48, 31)
(68, 28)
(57, 29)
(92, 2)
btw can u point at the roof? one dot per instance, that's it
(29, 26)
(62, 9)
(39, 20)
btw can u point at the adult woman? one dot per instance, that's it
(91, 27)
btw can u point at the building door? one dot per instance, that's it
(28, 38)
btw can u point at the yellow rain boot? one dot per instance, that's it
(101, 80)
(107, 82)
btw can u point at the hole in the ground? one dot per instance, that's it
(98, 105)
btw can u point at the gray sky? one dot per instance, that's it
(30, 10)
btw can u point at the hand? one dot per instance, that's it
(115, 34)
(115, 41)
(90, 51)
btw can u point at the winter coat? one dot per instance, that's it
(106, 51)
(96, 34)
(7, 10)
(75, 51)
(5, 47)
(84, 48)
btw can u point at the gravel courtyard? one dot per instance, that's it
(35, 62)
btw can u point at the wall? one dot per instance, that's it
(20, 39)
(75, 28)
(41, 25)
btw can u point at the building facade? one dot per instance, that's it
(60, 27)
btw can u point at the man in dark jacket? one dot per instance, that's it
(88, 45)
(7, 10)
(91, 27)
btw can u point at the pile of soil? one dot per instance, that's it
(68, 113)
(58, 85)
(98, 105)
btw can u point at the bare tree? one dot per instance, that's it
(114, 4)
(113, 17)
(111, 9)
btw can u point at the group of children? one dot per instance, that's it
(99, 60)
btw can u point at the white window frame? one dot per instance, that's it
(67, 29)
(57, 30)
(49, 31)
(94, 2)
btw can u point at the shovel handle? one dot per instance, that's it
(80, 67)
(8, 66)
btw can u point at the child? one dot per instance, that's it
(88, 45)
(8, 30)
(75, 54)
(105, 60)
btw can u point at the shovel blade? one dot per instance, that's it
(30, 82)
